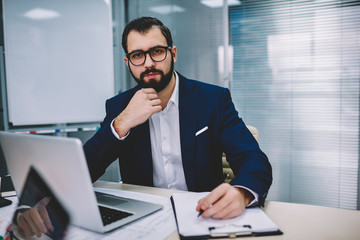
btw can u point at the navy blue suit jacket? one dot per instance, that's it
(200, 105)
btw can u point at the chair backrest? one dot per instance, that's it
(228, 173)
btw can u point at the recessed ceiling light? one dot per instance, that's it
(40, 13)
(219, 3)
(167, 9)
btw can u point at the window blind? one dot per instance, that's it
(296, 78)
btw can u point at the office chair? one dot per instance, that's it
(228, 173)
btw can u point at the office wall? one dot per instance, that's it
(59, 60)
(96, 43)
(3, 169)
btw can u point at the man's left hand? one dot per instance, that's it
(224, 202)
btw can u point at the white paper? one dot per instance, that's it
(158, 225)
(191, 225)
(6, 215)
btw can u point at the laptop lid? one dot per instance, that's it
(61, 161)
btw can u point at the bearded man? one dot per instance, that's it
(171, 132)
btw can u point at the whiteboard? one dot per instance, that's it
(59, 60)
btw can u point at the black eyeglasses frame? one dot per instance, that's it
(148, 52)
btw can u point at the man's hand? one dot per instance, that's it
(224, 202)
(35, 221)
(143, 104)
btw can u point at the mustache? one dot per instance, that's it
(152, 70)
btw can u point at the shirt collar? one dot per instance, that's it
(175, 94)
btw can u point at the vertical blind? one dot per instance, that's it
(296, 78)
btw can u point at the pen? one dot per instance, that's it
(201, 212)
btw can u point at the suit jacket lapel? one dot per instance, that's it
(188, 114)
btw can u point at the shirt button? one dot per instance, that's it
(164, 138)
(170, 186)
(166, 161)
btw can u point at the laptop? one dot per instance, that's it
(61, 162)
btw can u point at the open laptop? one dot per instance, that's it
(61, 162)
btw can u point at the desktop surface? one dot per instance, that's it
(296, 221)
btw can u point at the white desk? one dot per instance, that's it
(296, 221)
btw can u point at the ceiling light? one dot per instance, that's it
(40, 14)
(219, 3)
(167, 9)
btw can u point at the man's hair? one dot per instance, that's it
(143, 25)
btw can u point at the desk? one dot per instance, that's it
(297, 221)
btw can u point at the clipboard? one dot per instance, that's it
(253, 222)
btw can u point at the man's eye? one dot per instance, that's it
(157, 51)
(137, 55)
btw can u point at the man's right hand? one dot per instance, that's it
(35, 221)
(143, 104)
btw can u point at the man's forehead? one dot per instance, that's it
(145, 40)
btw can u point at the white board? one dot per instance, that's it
(59, 60)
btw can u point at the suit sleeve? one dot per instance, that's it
(250, 165)
(103, 148)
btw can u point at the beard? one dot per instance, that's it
(152, 83)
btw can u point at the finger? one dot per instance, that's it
(232, 210)
(223, 201)
(143, 94)
(24, 226)
(32, 227)
(231, 205)
(152, 96)
(45, 216)
(157, 108)
(148, 90)
(155, 102)
(36, 222)
(216, 210)
(27, 216)
(198, 208)
(213, 197)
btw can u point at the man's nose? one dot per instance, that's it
(148, 61)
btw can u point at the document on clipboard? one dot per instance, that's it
(253, 221)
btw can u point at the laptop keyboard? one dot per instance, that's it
(109, 215)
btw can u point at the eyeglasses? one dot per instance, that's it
(157, 54)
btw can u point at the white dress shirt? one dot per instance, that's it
(168, 171)
(166, 146)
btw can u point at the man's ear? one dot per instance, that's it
(174, 52)
(126, 61)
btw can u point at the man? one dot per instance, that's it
(170, 131)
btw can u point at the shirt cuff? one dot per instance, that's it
(115, 133)
(256, 196)
(20, 210)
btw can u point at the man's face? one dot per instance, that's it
(151, 74)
